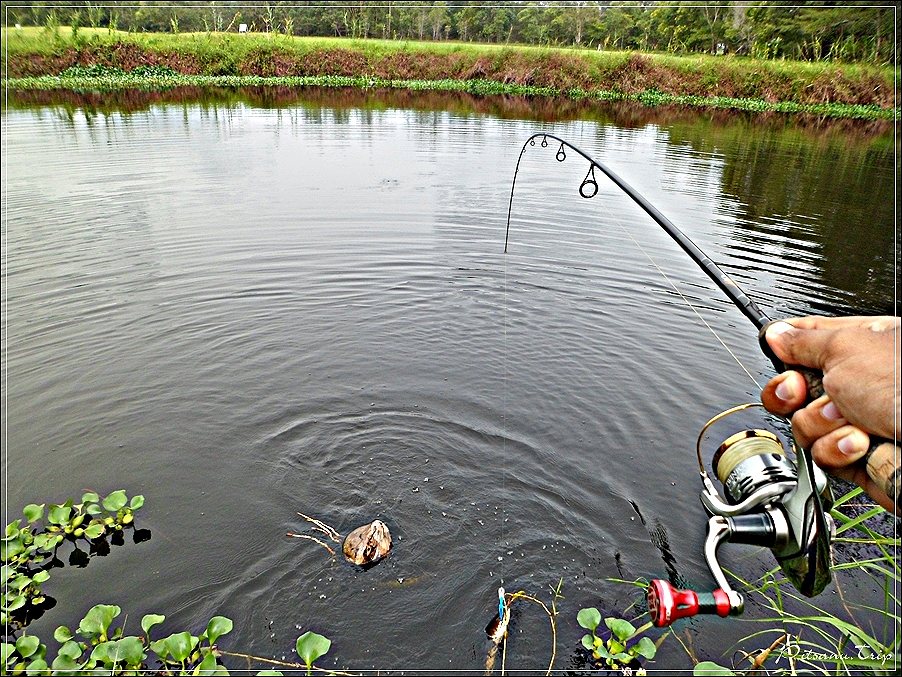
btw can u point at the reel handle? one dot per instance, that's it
(667, 604)
(882, 457)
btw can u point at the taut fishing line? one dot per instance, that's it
(654, 263)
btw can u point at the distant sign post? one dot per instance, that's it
(242, 28)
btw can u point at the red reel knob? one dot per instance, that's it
(667, 604)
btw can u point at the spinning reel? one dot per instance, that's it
(768, 501)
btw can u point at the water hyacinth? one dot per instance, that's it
(106, 79)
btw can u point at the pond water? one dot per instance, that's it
(244, 306)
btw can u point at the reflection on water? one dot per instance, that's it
(781, 170)
(246, 307)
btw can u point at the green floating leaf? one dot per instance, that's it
(589, 618)
(269, 673)
(588, 642)
(33, 512)
(62, 634)
(41, 576)
(27, 645)
(12, 529)
(45, 541)
(136, 502)
(90, 497)
(646, 648)
(207, 666)
(19, 582)
(622, 629)
(71, 650)
(36, 667)
(59, 514)
(101, 653)
(6, 652)
(97, 620)
(149, 621)
(115, 501)
(218, 626)
(179, 645)
(11, 548)
(622, 657)
(710, 668)
(311, 646)
(128, 650)
(64, 665)
(160, 647)
(17, 602)
(94, 531)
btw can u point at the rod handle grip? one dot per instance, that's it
(882, 459)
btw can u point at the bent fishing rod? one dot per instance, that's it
(770, 501)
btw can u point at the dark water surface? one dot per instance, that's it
(250, 305)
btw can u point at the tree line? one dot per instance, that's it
(812, 31)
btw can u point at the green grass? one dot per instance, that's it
(37, 40)
(864, 639)
(34, 58)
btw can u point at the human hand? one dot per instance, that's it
(859, 359)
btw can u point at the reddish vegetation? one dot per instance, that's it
(633, 74)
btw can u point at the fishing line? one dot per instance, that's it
(676, 289)
(504, 430)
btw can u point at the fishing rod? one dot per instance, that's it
(770, 501)
(589, 189)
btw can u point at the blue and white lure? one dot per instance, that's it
(497, 627)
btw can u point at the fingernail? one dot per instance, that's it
(853, 443)
(778, 328)
(831, 412)
(785, 391)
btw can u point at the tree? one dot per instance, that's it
(618, 25)
(532, 24)
(438, 19)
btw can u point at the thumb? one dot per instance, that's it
(794, 346)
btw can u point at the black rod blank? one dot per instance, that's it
(720, 278)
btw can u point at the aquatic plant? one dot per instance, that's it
(95, 645)
(29, 547)
(108, 79)
(311, 646)
(618, 650)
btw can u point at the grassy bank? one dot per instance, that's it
(35, 58)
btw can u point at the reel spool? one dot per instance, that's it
(769, 501)
(749, 460)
